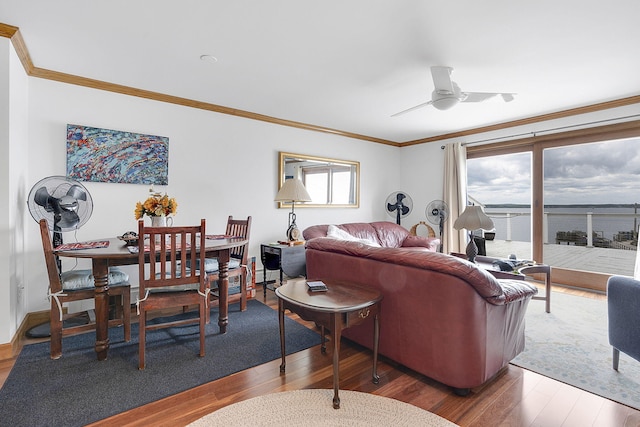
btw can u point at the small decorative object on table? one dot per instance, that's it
(130, 238)
(317, 286)
(158, 207)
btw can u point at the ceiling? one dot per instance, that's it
(347, 65)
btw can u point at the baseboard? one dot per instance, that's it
(11, 349)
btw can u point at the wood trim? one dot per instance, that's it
(530, 120)
(13, 33)
(11, 349)
(580, 279)
(629, 129)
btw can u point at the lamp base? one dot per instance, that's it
(472, 250)
(293, 234)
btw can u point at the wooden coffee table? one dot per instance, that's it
(341, 306)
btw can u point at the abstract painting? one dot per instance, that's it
(104, 155)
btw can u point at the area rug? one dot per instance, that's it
(571, 344)
(311, 408)
(77, 389)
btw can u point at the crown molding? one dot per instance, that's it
(13, 33)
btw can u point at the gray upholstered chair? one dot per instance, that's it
(623, 299)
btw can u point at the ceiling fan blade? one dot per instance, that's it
(477, 96)
(424, 104)
(442, 80)
(483, 96)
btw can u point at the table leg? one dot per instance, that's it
(223, 289)
(336, 328)
(264, 281)
(281, 322)
(323, 343)
(376, 338)
(101, 276)
(547, 286)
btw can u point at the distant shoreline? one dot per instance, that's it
(594, 205)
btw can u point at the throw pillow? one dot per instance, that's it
(339, 234)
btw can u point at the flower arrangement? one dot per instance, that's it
(156, 205)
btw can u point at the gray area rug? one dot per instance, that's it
(77, 389)
(571, 344)
(314, 408)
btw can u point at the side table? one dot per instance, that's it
(341, 306)
(290, 260)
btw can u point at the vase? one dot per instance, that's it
(159, 221)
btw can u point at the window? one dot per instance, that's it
(583, 216)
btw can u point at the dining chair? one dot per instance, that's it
(77, 285)
(237, 263)
(166, 281)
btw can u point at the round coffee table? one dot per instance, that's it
(341, 306)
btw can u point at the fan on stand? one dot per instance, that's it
(398, 204)
(64, 203)
(437, 213)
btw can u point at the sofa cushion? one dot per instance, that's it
(338, 233)
(390, 234)
(429, 243)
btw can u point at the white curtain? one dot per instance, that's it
(455, 195)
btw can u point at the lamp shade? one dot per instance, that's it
(292, 191)
(473, 218)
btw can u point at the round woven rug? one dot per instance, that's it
(314, 408)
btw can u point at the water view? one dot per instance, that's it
(611, 225)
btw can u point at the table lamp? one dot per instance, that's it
(293, 191)
(473, 218)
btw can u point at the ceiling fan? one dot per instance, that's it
(447, 93)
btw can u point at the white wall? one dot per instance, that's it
(218, 165)
(13, 146)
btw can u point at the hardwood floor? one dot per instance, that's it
(516, 397)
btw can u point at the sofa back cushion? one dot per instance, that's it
(335, 232)
(384, 233)
(484, 283)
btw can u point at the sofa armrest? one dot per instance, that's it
(513, 290)
(623, 300)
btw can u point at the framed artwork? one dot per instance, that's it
(104, 155)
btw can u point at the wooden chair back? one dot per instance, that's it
(172, 246)
(239, 228)
(51, 260)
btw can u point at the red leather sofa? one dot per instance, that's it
(441, 316)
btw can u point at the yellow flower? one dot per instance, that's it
(156, 205)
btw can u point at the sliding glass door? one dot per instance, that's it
(580, 212)
(501, 184)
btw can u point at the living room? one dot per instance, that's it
(220, 164)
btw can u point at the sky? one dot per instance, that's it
(604, 172)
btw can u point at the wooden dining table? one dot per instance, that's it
(117, 253)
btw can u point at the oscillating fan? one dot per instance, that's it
(64, 203)
(437, 213)
(398, 204)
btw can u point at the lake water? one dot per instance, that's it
(605, 221)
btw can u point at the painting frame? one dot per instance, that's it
(107, 155)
